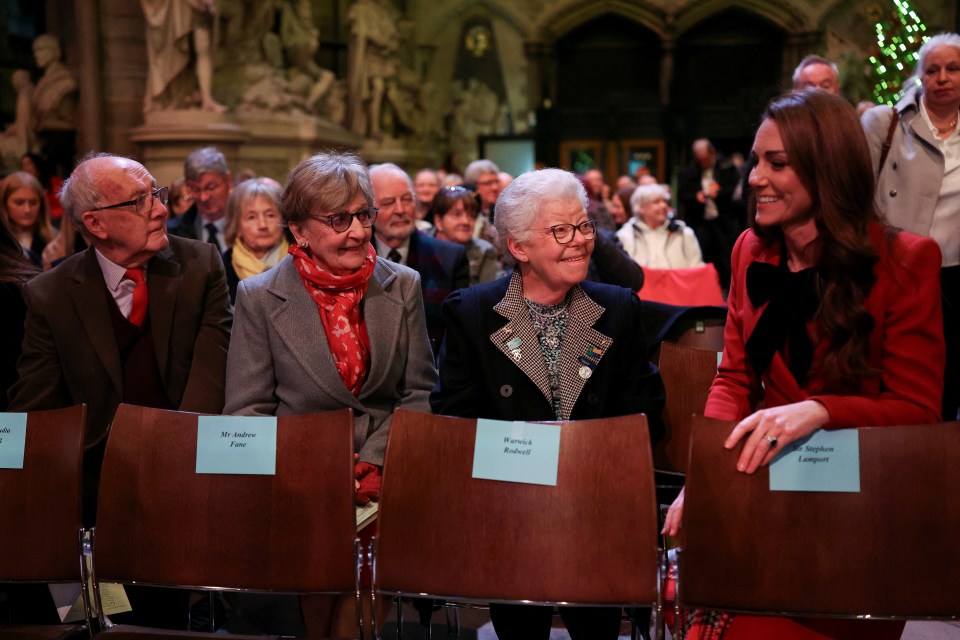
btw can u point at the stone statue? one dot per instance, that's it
(374, 45)
(172, 26)
(300, 40)
(54, 105)
(18, 137)
(54, 97)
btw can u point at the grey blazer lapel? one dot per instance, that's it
(163, 282)
(90, 298)
(582, 349)
(297, 322)
(518, 340)
(383, 313)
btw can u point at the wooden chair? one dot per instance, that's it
(888, 551)
(161, 523)
(687, 374)
(591, 539)
(41, 539)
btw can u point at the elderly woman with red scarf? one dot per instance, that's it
(332, 325)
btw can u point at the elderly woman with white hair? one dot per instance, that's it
(915, 147)
(654, 239)
(544, 344)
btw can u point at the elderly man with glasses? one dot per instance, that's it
(442, 265)
(208, 182)
(139, 317)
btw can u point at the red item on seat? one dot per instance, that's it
(369, 477)
(693, 286)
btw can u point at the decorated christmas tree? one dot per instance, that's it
(899, 36)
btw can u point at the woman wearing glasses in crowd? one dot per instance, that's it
(553, 347)
(253, 231)
(332, 325)
(454, 215)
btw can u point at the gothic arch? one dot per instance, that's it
(563, 17)
(456, 16)
(782, 14)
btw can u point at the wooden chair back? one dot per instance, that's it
(40, 503)
(159, 522)
(590, 539)
(687, 374)
(889, 550)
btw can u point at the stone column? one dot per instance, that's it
(90, 116)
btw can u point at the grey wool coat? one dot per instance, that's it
(280, 362)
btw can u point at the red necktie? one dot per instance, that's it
(139, 309)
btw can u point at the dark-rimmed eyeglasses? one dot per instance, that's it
(340, 222)
(563, 233)
(140, 203)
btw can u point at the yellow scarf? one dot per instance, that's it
(246, 264)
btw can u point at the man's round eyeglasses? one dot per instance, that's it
(340, 222)
(563, 233)
(140, 203)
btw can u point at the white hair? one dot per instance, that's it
(519, 204)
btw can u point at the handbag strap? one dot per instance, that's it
(894, 120)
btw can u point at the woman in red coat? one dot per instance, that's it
(834, 318)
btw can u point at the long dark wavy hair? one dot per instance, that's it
(827, 149)
(14, 266)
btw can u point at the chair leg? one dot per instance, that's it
(399, 618)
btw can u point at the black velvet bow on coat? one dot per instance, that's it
(792, 301)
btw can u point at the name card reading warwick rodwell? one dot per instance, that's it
(516, 452)
(244, 445)
(828, 460)
(13, 439)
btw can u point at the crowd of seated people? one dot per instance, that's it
(361, 287)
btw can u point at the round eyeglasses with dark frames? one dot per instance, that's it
(138, 202)
(563, 233)
(340, 222)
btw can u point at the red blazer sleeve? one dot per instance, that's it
(908, 338)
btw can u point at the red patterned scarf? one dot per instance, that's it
(338, 300)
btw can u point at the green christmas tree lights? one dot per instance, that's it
(899, 37)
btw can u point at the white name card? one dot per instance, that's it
(827, 460)
(13, 440)
(517, 452)
(245, 445)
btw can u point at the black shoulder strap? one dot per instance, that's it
(894, 120)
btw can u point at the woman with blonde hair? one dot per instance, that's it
(253, 231)
(24, 210)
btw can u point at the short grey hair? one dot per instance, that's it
(478, 168)
(645, 194)
(205, 160)
(389, 167)
(519, 204)
(327, 181)
(242, 194)
(79, 193)
(939, 40)
(813, 59)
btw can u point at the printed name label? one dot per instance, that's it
(516, 452)
(245, 445)
(13, 440)
(825, 461)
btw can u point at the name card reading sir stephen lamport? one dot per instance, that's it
(516, 452)
(828, 460)
(13, 440)
(243, 445)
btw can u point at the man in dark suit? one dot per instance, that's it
(705, 190)
(442, 265)
(138, 317)
(209, 184)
